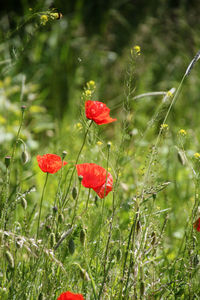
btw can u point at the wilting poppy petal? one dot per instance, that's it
(50, 163)
(98, 112)
(94, 176)
(106, 188)
(197, 224)
(70, 296)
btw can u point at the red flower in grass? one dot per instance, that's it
(98, 112)
(94, 177)
(50, 163)
(197, 224)
(70, 296)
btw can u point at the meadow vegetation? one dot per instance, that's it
(59, 233)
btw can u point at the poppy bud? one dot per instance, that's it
(40, 297)
(84, 274)
(142, 288)
(52, 240)
(96, 201)
(82, 236)
(24, 203)
(109, 145)
(64, 154)
(118, 254)
(7, 161)
(80, 177)
(55, 209)
(71, 246)
(60, 218)
(10, 259)
(48, 228)
(74, 192)
(24, 157)
(181, 157)
(23, 107)
(153, 238)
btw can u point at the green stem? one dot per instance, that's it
(76, 203)
(38, 226)
(70, 181)
(88, 199)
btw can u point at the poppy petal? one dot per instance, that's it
(70, 296)
(50, 163)
(106, 188)
(98, 112)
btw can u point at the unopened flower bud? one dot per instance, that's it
(109, 145)
(71, 246)
(60, 218)
(52, 240)
(7, 161)
(23, 107)
(24, 203)
(10, 259)
(40, 297)
(55, 209)
(74, 192)
(80, 177)
(24, 157)
(82, 236)
(64, 154)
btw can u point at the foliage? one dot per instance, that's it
(56, 235)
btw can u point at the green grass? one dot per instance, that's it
(139, 241)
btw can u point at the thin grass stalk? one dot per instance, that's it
(72, 174)
(76, 203)
(41, 201)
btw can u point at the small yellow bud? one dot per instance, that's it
(136, 50)
(99, 143)
(197, 155)
(169, 94)
(182, 132)
(88, 93)
(79, 126)
(164, 127)
(44, 19)
(91, 85)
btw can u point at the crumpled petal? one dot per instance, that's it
(94, 176)
(106, 188)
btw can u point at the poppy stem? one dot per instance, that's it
(88, 199)
(70, 181)
(38, 226)
(76, 203)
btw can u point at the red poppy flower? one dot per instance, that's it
(98, 112)
(50, 163)
(70, 296)
(197, 224)
(94, 177)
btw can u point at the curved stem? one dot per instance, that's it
(41, 205)
(70, 181)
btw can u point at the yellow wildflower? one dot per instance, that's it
(99, 143)
(197, 155)
(169, 94)
(44, 19)
(91, 85)
(164, 126)
(136, 50)
(182, 132)
(79, 125)
(88, 93)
